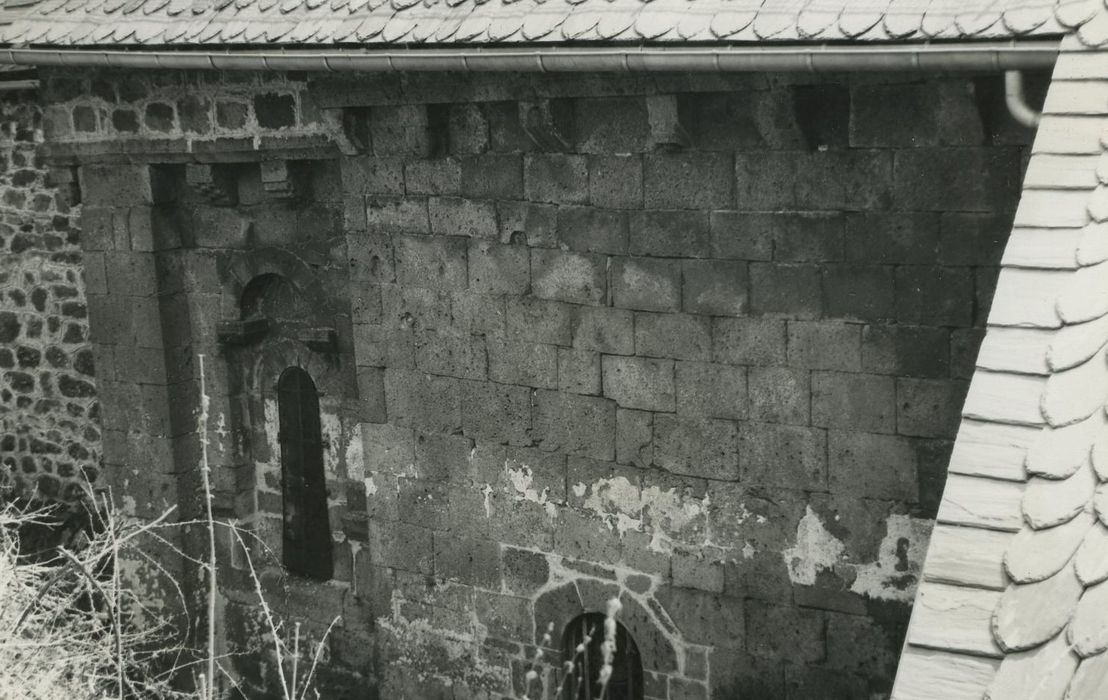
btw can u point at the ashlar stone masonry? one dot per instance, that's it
(697, 342)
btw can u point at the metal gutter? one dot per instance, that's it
(814, 58)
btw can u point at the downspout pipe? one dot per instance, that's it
(1017, 101)
(966, 56)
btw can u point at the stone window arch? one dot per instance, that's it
(626, 682)
(306, 531)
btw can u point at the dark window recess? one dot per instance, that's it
(625, 682)
(307, 532)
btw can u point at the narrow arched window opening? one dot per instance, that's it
(587, 631)
(306, 533)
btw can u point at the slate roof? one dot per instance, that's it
(1014, 601)
(442, 22)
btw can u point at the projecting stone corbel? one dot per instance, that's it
(549, 123)
(212, 182)
(666, 131)
(321, 339)
(241, 332)
(279, 179)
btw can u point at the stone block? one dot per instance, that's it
(467, 129)
(929, 407)
(468, 560)
(701, 448)
(915, 115)
(647, 284)
(528, 364)
(964, 345)
(441, 458)
(130, 274)
(371, 394)
(540, 320)
(873, 466)
(556, 177)
(401, 130)
(677, 336)
(707, 390)
(788, 290)
(688, 180)
(528, 224)
(437, 263)
(388, 448)
(802, 681)
(740, 235)
(423, 503)
(407, 308)
(592, 230)
(642, 383)
(455, 216)
(604, 329)
(858, 292)
(572, 277)
(984, 179)
(499, 269)
(611, 125)
(985, 280)
(401, 546)
(497, 412)
(808, 237)
(691, 571)
(385, 214)
(450, 354)
(765, 180)
(272, 110)
(848, 180)
(706, 618)
(780, 395)
(115, 185)
(442, 176)
(777, 632)
(423, 401)
(634, 437)
(715, 287)
(478, 314)
(892, 238)
(748, 341)
(861, 644)
(525, 572)
(580, 425)
(371, 258)
(363, 175)
(579, 371)
(670, 233)
(854, 401)
(783, 456)
(825, 345)
(615, 181)
(973, 239)
(493, 176)
(935, 296)
(907, 351)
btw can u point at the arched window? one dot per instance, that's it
(307, 532)
(625, 682)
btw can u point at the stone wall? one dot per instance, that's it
(701, 343)
(49, 434)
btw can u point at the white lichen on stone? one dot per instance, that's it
(816, 549)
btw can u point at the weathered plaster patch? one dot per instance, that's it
(522, 479)
(815, 549)
(661, 513)
(892, 577)
(900, 559)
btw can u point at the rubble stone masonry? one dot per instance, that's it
(49, 432)
(699, 342)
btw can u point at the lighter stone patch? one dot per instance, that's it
(816, 549)
(355, 455)
(522, 479)
(370, 486)
(885, 579)
(623, 506)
